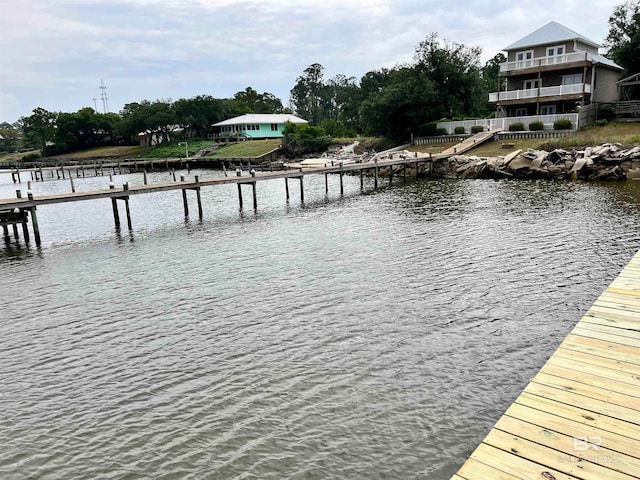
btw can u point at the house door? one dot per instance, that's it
(531, 84)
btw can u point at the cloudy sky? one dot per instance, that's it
(55, 53)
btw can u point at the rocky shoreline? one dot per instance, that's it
(603, 162)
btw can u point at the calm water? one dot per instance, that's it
(373, 336)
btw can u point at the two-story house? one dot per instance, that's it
(553, 71)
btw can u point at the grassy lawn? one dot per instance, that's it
(173, 150)
(99, 152)
(248, 149)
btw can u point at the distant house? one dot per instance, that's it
(554, 70)
(257, 126)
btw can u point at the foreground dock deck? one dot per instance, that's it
(579, 417)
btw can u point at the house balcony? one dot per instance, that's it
(560, 92)
(545, 63)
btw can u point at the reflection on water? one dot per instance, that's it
(370, 336)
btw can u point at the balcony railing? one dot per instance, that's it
(557, 91)
(503, 123)
(545, 61)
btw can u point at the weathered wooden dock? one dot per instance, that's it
(12, 210)
(579, 417)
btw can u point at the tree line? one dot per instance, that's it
(443, 80)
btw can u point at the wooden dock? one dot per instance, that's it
(579, 417)
(12, 210)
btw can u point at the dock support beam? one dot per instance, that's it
(326, 184)
(184, 199)
(341, 179)
(114, 206)
(286, 187)
(301, 189)
(34, 221)
(361, 179)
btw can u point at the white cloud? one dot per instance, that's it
(55, 53)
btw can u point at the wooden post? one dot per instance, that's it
(5, 229)
(341, 181)
(18, 173)
(34, 221)
(25, 231)
(114, 205)
(286, 187)
(125, 187)
(240, 195)
(41, 175)
(198, 198)
(301, 189)
(390, 174)
(15, 231)
(144, 176)
(62, 168)
(326, 184)
(173, 172)
(73, 188)
(362, 179)
(13, 176)
(255, 197)
(83, 169)
(184, 199)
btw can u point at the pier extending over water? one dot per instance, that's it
(579, 417)
(16, 211)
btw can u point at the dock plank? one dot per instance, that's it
(579, 417)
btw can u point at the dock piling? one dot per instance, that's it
(286, 187)
(34, 220)
(302, 189)
(341, 178)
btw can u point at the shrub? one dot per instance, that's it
(31, 157)
(602, 122)
(606, 112)
(427, 129)
(516, 127)
(459, 130)
(441, 131)
(477, 129)
(562, 124)
(536, 126)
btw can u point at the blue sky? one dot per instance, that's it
(55, 53)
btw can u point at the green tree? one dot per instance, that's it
(39, 129)
(10, 140)
(491, 78)
(623, 39)
(300, 139)
(307, 94)
(259, 102)
(454, 70)
(196, 115)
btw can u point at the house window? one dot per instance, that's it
(555, 53)
(524, 59)
(521, 112)
(548, 110)
(274, 127)
(531, 84)
(572, 79)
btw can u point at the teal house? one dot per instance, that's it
(257, 125)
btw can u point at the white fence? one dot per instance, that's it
(503, 123)
(577, 88)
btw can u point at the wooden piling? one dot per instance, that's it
(144, 176)
(125, 187)
(34, 221)
(185, 203)
(25, 231)
(240, 195)
(341, 179)
(390, 174)
(361, 179)
(114, 205)
(15, 231)
(41, 175)
(13, 176)
(301, 189)
(18, 174)
(198, 198)
(286, 187)
(73, 188)
(326, 184)
(5, 229)
(255, 196)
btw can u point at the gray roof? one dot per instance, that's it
(260, 118)
(606, 62)
(552, 32)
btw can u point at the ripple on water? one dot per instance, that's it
(373, 336)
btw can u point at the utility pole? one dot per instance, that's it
(95, 105)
